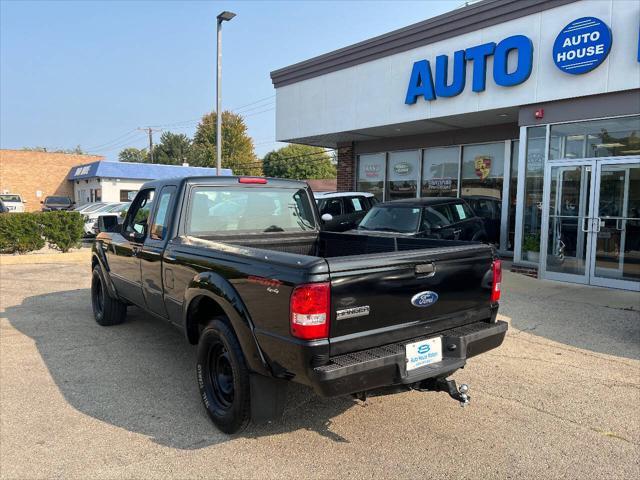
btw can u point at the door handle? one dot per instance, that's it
(585, 230)
(597, 224)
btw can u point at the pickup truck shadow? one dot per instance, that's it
(140, 375)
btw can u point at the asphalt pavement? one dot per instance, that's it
(559, 399)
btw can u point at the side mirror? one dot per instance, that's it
(108, 223)
(327, 217)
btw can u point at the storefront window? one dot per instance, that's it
(597, 138)
(482, 178)
(532, 208)
(440, 172)
(404, 171)
(371, 174)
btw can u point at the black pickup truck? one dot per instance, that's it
(243, 267)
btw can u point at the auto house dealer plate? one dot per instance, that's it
(423, 353)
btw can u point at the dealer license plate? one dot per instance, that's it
(423, 353)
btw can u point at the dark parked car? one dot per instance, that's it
(241, 266)
(429, 217)
(346, 209)
(52, 203)
(490, 210)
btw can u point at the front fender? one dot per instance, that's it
(218, 289)
(99, 258)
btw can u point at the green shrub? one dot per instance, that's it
(26, 232)
(20, 233)
(63, 230)
(531, 243)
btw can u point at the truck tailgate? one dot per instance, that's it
(371, 295)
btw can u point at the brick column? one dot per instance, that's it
(346, 167)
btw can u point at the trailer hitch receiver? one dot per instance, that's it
(461, 394)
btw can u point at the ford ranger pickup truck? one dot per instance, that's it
(244, 268)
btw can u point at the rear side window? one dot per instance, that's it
(354, 204)
(160, 221)
(229, 210)
(460, 211)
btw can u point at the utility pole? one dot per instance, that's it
(150, 131)
(223, 17)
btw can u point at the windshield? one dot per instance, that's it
(60, 200)
(10, 198)
(391, 219)
(112, 208)
(225, 210)
(91, 207)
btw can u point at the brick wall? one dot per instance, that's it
(346, 168)
(25, 173)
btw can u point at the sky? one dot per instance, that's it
(90, 73)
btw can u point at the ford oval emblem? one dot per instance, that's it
(424, 299)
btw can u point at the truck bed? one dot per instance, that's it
(331, 244)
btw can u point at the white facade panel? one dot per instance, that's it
(372, 94)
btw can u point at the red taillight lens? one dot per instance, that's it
(252, 180)
(310, 306)
(497, 280)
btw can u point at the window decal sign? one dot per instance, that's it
(482, 166)
(582, 45)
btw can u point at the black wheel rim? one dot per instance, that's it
(98, 297)
(221, 375)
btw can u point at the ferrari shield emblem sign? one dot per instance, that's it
(483, 166)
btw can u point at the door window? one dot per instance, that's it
(160, 221)
(437, 216)
(138, 217)
(353, 204)
(332, 206)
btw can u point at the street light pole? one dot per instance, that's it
(223, 17)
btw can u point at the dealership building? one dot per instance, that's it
(530, 110)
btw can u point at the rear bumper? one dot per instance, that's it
(386, 365)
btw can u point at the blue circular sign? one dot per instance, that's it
(582, 45)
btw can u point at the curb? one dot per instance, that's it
(72, 257)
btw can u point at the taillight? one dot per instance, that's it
(310, 308)
(497, 280)
(259, 180)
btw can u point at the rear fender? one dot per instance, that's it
(218, 289)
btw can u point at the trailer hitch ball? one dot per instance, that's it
(464, 398)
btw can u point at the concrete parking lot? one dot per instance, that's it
(559, 399)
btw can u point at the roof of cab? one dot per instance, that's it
(235, 180)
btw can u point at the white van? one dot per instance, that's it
(13, 202)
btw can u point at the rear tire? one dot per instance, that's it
(223, 378)
(107, 311)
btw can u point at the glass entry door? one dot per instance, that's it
(591, 222)
(565, 241)
(616, 248)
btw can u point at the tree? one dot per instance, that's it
(72, 151)
(237, 146)
(300, 162)
(173, 149)
(132, 154)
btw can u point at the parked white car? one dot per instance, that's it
(91, 219)
(13, 202)
(90, 207)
